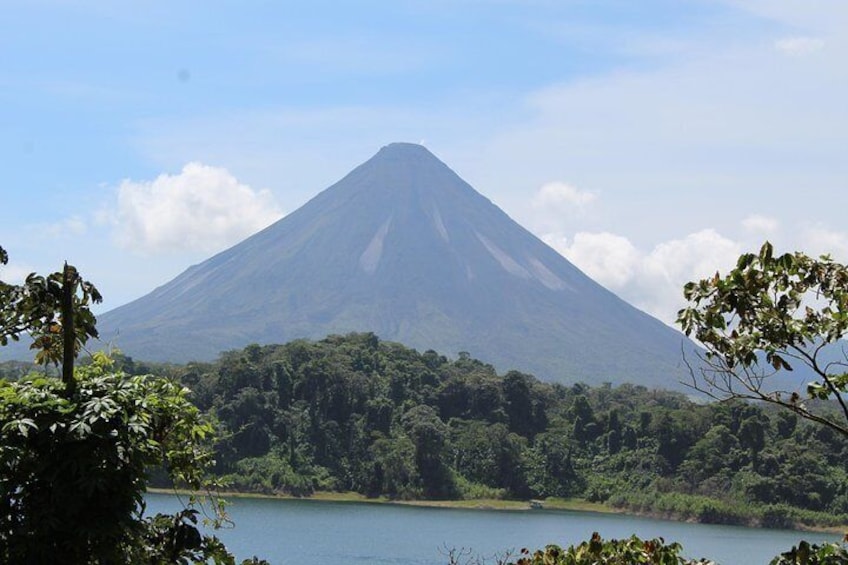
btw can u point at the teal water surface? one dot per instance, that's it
(289, 532)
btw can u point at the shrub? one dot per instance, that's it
(597, 551)
(807, 554)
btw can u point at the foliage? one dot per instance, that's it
(813, 554)
(54, 310)
(175, 539)
(74, 468)
(771, 314)
(634, 550)
(599, 551)
(75, 453)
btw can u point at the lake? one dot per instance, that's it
(290, 532)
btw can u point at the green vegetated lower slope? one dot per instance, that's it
(352, 413)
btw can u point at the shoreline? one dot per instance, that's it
(556, 504)
(575, 505)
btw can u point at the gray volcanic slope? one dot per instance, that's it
(406, 249)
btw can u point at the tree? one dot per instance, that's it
(429, 436)
(772, 314)
(54, 311)
(75, 453)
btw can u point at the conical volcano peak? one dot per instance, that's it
(402, 247)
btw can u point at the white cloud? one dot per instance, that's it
(607, 258)
(652, 281)
(562, 195)
(670, 265)
(696, 256)
(760, 224)
(558, 202)
(797, 46)
(202, 208)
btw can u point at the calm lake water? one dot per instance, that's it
(290, 532)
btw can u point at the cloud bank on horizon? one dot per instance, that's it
(650, 145)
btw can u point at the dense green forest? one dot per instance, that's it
(353, 413)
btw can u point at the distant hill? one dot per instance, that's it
(406, 249)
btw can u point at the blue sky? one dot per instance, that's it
(649, 142)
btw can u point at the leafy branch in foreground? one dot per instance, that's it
(75, 453)
(54, 310)
(813, 554)
(73, 469)
(771, 314)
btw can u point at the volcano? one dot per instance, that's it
(404, 248)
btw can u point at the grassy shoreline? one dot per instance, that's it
(578, 505)
(562, 504)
